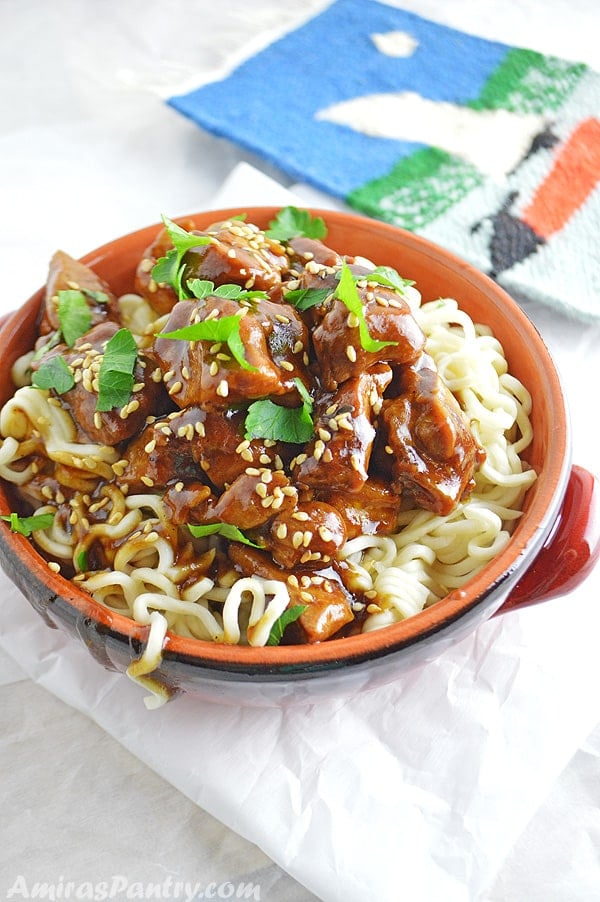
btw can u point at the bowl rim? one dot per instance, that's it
(527, 539)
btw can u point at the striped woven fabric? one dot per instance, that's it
(489, 150)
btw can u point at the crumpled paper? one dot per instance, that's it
(422, 786)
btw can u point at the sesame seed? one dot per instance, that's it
(351, 353)
(267, 502)
(247, 454)
(281, 531)
(352, 320)
(298, 347)
(97, 420)
(54, 566)
(327, 456)
(179, 486)
(147, 481)
(261, 489)
(152, 286)
(242, 446)
(146, 264)
(264, 459)
(252, 471)
(306, 596)
(287, 365)
(373, 609)
(222, 388)
(307, 538)
(199, 428)
(300, 515)
(325, 533)
(297, 538)
(214, 368)
(266, 476)
(293, 581)
(176, 387)
(355, 462)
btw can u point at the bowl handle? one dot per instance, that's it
(571, 550)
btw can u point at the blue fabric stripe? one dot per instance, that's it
(268, 104)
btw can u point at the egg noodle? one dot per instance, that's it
(427, 557)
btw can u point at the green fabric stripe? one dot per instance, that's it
(423, 186)
(528, 82)
(417, 190)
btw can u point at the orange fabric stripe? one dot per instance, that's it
(573, 177)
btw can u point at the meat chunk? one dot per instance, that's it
(345, 433)
(252, 499)
(113, 426)
(337, 341)
(327, 603)
(161, 298)
(239, 253)
(371, 510)
(311, 533)
(204, 372)
(433, 452)
(67, 274)
(163, 452)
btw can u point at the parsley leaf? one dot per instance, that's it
(305, 298)
(169, 269)
(201, 288)
(26, 525)
(115, 377)
(53, 373)
(347, 293)
(290, 615)
(285, 424)
(291, 222)
(74, 315)
(386, 275)
(227, 530)
(226, 328)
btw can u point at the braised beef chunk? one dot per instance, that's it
(344, 433)
(68, 274)
(163, 452)
(206, 373)
(113, 426)
(161, 298)
(311, 533)
(327, 603)
(239, 253)
(308, 250)
(371, 510)
(434, 454)
(337, 342)
(224, 453)
(253, 498)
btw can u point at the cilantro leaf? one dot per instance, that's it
(169, 269)
(100, 297)
(82, 562)
(226, 328)
(115, 377)
(305, 298)
(53, 373)
(386, 275)
(285, 424)
(227, 530)
(26, 525)
(290, 615)
(347, 293)
(74, 315)
(291, 222)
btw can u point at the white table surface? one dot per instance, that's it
(88, 150)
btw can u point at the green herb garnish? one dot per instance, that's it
(226, 328)
(281, 424)
(348, 294)
(290, 615)
(227, 530)
(82, 560)
(387, 276)
(305, 298)
(26, 525)
(201, 288)
(53, 373)
(169, 269)
(74, 315)
(115, 378)
(291, 222)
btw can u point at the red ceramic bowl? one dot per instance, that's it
(553, 548)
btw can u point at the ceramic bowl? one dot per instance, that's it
(552, 549)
